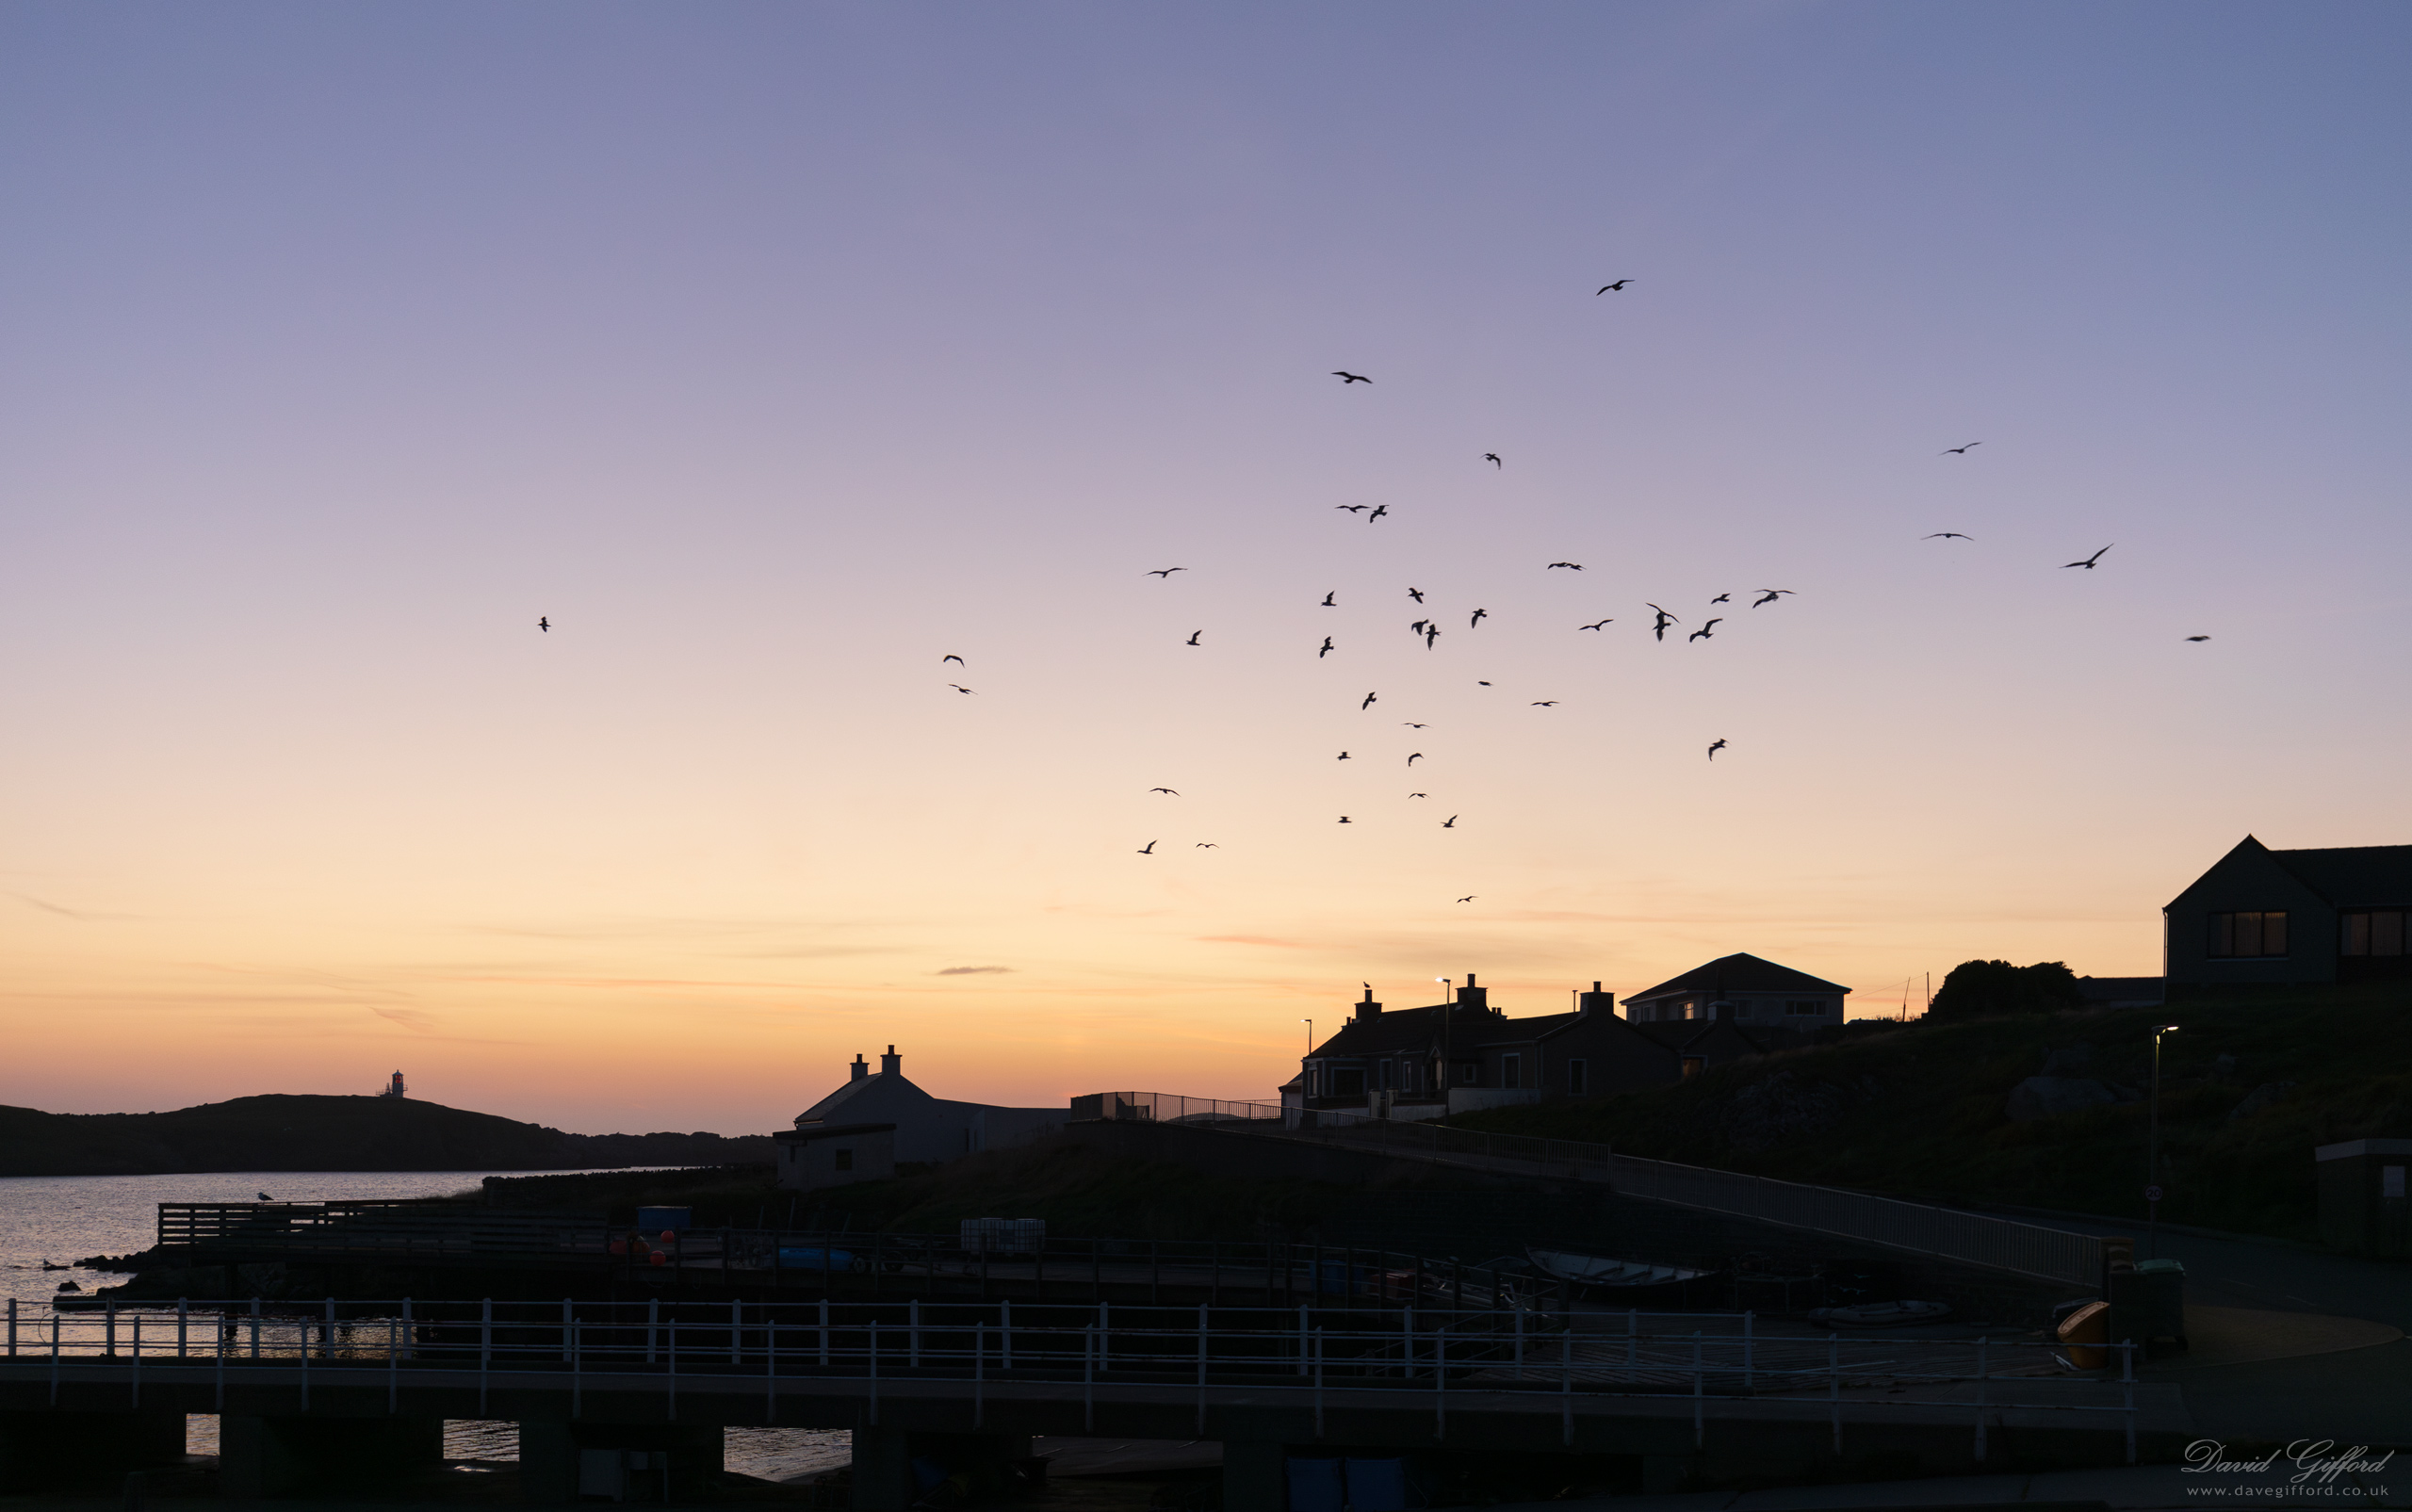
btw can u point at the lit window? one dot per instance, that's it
(2373, 931)
(2247, 936)
(1806, 1007)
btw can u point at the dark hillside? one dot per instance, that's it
(323, 1134)
(2248, 1087)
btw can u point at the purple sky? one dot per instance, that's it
(775, 351)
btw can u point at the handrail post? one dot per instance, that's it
(1700, 1432)
(485, 1348)
(978, 1372)
(1005, 1334)
(873, 1351)
(1302, 1339)
(736, 1311)
(671, 1376)
(12, 1327)
(1441, 1383)
(770, 1370)
(913, 1316)
(577, 1370)
(824, 1332)
(1980, 1400)
(393, 1366)
(1201, 1370)
(1835, 1386)
(1318, 1353)
(1089, 1379)
(183, 1316)
(652, 1326)
(1748, 1379)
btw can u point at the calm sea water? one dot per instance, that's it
(63, 1218)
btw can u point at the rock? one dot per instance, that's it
(2258, 1098)
(1782, 1109)
(2049, 1096)
(2068, 1059)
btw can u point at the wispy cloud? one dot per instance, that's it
(974, 970)
(418, 1020)
(1252, 939)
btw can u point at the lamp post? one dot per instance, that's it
(1448, 1067)
(2152, 1150)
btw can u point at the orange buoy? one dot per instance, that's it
(670, 1236)
(659, 1258)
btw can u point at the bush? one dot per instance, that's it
(1990, 990)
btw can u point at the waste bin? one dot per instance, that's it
(2148, 1304)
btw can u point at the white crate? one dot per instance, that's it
(1003, 1236)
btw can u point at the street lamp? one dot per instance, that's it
(2152, 1149)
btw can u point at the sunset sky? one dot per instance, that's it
(775, 352)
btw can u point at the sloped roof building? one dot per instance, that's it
(2265, 918)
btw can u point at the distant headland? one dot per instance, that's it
(279, 1132)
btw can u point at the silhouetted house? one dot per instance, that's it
(926, 1128)
(1699, 1044)
(2264, 917)
(1749, 991)
(828, 1155)
(1464, 1054)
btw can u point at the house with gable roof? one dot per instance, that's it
(1745, 991)
(2265, 918)
(925, 1128)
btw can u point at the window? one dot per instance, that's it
(2247, 936)
(1691, 1065)
(1348, 1084)
(842, 1159)
(1407, 1076)
(1578, 1078)
(2372, 932)
(1804, 1008)
(1511, 1071)
(1465, 1073)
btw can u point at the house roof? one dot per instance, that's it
(2345, 874)
(1739, 972)
(1416, 1030)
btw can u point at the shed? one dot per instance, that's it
(835, 1155)
(2363, 1209)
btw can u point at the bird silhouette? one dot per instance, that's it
(1722, 598)
(1413, 759)
(1705, 630)
(1947, 535)
(1479, 615)
(1419, 795)
(2198, 638)
(1479, 682)
(1348, 378)
(1379, 509)
(1149, 848)
(1602, 625)
(1617, 288)
(1173, 791)
(1467, 898)
(950, 657)
(1544, 703)
(1570, 566)
(1165, 572)
(1326, 649)
(1412, 725)
(1418, 625)
(1958, 451)
(1665, 619)
(958, 688)
(1328, 597)
(1492, 458)
(2088, 562)
(1343, 757)
(265, 1198)
(1366, 705)
(1431, 633)
(1416, 593)
(1343, 818)
(544, 622)
(1450, 823)
(1768, 595)
(1208, 845)
(1193, 639)
(1719, 745)
(1352, 507)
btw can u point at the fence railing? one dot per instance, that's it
(1048, 1352)
(1972, 1238)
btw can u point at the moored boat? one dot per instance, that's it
(1609, 1272)
(1880, 1314)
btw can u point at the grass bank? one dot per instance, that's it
(2248, 1086)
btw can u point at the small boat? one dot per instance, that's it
(1880, 1314)
(48, 1266)
(1606, 1272)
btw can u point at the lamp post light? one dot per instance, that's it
(2152, 1149)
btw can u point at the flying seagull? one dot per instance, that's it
(1419, 795)
(1366, 705)
(1208, 845)
(1467, 898)
(958, 688)
(1193, 638)
(1431, 633)
(1352, 507)
(1347, 378)
(1617, 288)
(1413, 759)
(1492, 458)
(1326, 649)
(1165, 572)
(2198, 638)
(1343, 818)
(1343, 757)
(1602, 625)
(544, 622)
(1722, 598)
(1411, 725)
(1482, 682)
(1768, 595)
(2088, 562)
(1328, 597)
(1544, 703)
(1416, 593)
(1418, 625)
(1958, 451)
(1379, 509)
(1713, 749)
(1479, 615)
(1149, 849)
(1570, 566)
(1665, 619)
(1175, 794)
(1705, 630)
(1947, 535)
(1450, 823)
(950, 657)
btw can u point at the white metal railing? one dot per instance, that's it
(1416, 1358)
(1975, 1238)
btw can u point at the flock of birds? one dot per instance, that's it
(1428, 628)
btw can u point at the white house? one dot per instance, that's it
(927, 1128)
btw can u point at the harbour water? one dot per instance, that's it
(61, 1219)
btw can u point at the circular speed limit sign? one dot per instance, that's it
(2152, 1194)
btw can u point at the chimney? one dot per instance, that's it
(1368, 1008)
(1596, 1001)
(858, 1069)
(892, 1063)
(1474, 999)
